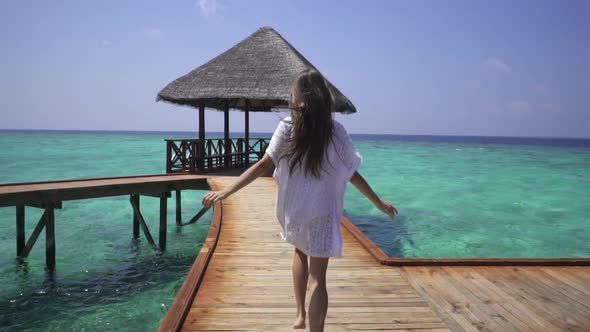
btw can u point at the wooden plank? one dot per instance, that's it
(568, 279)
(569, 313)
(523, 321)
(556, 285)
(502, 278)
(459, 321)
(516, 321)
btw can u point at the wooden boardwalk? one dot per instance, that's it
(247, 285)
(506, 298)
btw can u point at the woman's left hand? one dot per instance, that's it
(211, 197)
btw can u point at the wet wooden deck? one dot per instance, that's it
(242, 280)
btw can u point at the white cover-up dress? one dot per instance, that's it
(308, 208)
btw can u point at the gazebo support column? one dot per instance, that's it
(200, 148)
(227, 159)
(247, 134)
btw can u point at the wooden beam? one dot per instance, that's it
(163, 220)
(143, 225)
(197, 216)
(50, 239)
(135, 200)
(178, 208)
(157, 195)
(20, 229)
(57, 191)
(45, 205)
(31, 242)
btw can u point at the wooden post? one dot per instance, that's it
(178, 208)
(201, 122)
(163, 217)
(50, 238)
(200, 148)
(168, 157)
(226, 136)
(247, 133)
(20, 229)
(135, 199)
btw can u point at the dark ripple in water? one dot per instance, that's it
(39, 304)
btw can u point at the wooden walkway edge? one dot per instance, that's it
(180, 307)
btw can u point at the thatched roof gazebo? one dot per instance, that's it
(254, 75)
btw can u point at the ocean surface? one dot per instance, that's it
(457, 197)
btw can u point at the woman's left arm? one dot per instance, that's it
(251, 174)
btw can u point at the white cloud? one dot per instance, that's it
(106, 42)
(519, 106)
(207, 8)
(497, 65)
(152, 33)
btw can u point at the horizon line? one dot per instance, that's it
(374, 134)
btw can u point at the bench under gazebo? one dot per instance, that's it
(253, 76)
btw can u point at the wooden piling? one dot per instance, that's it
(20, 229)
(178, 208)
(163, 220)
(50, 238)
(135, 200)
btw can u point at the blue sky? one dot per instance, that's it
(497, 68)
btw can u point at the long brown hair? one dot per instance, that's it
(311, 105)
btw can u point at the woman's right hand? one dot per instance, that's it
(387, 208)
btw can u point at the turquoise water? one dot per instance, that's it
(104, 281)
(461, 197)
(458, 197)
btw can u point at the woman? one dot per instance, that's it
(314, 159)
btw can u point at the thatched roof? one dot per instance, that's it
(259, 70)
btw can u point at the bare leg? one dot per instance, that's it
(300, 273)
(318, 304)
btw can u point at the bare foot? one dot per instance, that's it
(299, 322)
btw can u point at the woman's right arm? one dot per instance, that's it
(361, 184)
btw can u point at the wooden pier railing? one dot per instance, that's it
(197, 156)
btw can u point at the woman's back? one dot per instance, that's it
(309, 208)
